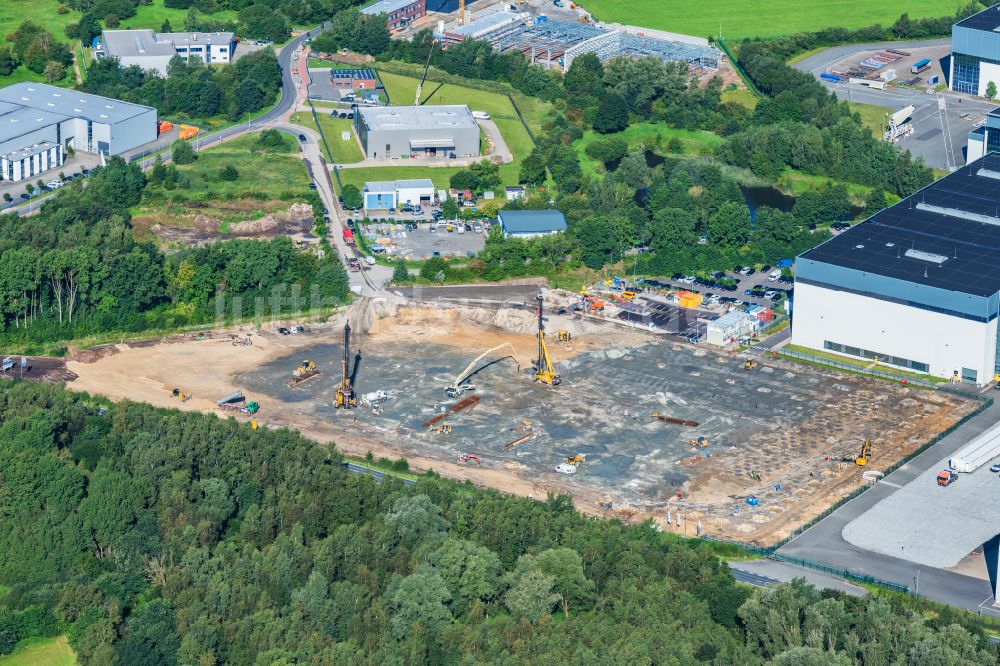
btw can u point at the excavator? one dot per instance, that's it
(466, 457)
(866, 452)
(460, 384)
(576, 460)
(346, 399)
(544, 372)
(564, 336)
(178, 394)
(304, 369)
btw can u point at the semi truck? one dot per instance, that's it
(978, 452)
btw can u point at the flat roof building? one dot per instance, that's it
(529, 223)
(398, 13)
(390, 194)
(353, 79)
(154, 50)
(398, 131)
(975, 52)
(916, 286)
(38, 122)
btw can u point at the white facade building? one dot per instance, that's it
(916, 286)
(38, 122)
(155, 50)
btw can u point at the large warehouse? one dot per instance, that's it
(916, 286)
(38, 122)
(155, 50)
(975, 52)
(410, 131)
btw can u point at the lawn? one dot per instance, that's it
(263, 178)
(440, 176)
(872, 117)
(697, 142)
(760, 18)
(43, 12)
(41, 652)
(343, 152)
(741, 96)
(403, 88)
(153, 15)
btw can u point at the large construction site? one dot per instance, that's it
(631, 424)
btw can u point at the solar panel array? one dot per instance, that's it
(946, 219)
(987, 20)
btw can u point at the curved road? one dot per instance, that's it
(285, 103)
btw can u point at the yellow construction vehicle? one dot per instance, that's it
(461, 384)
(178, 394)
(564, 336)
(699, 442)
(866, 452)
(751, 364)
(544, 372)
(443, 428)
(576, 460)
(755, 475)
(305, 368)
(346, 399)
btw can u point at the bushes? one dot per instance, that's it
(181, 152)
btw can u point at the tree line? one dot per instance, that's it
(155, 537)
(250, 84)
(76, 269)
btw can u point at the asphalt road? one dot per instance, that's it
(940, 133)
(823, 543)
(374, 473)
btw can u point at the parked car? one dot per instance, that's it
(312, 186)
(302, 138)
(995, 468)
(283, 330)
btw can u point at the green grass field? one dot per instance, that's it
(153, 15)
(262, 175)
(695, 142)
(402, 89)
(43, 12)
(41, 652)
(760, 18)
(344, 152)
(872, 117)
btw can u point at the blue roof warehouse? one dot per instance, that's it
(528, 223)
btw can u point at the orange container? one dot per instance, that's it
(688, 300)
(165, 126)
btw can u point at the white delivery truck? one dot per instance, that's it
(978, 452)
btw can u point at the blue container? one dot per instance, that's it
(753, 501)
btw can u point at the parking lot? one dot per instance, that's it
(415, 240)
(718, 293)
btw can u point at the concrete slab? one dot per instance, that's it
(932, 525)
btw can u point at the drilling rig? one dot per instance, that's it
(345, 392)
(544, 372)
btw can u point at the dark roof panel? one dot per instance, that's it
(947, 235)
(987, 20)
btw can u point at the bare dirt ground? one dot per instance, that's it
(247, 218)
(789, 423)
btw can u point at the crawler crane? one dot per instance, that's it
(345, 392)
(544, 372)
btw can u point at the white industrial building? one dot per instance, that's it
(412, 131)
(155, 50)
(730, 328)
(391, 194)
(916, 286)
(38, 122)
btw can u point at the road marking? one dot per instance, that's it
(890, 483)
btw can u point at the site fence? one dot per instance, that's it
(521, 118)
(772, 554)
(736, 65)
(860, 369)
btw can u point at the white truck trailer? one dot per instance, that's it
(978, 452)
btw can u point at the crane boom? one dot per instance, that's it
(456, 387)
(345, 392)
(423, 77)
(544, 371)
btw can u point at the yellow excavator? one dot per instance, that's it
(544, 372)
(576, 460)
(346, 399)
(304, 369)
(178, 394)
(564, 336)
(750, 364)
(866, 452)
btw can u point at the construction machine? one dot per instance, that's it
(755, 475)
(466, 457)
(576, 460)
(442, 428)
(178, 394)
(750, 364)
(306, 370)
(544, 372)
(564, 336)
(460, 384)
(345, 392)
(699, 442)
(427, 65)
(866, 451)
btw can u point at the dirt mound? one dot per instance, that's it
(297, 218)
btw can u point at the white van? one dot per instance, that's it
(774, 275)
(480, 115)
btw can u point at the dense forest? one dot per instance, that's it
(76, 268)
(156, 537)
